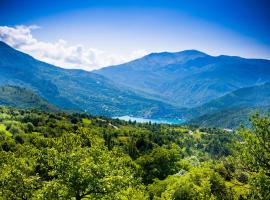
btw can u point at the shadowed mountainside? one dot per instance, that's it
(75, 89)
(232, 109)
(18, 97)
(189, 78)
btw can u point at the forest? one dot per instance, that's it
(59, 155)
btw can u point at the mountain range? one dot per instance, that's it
(75, 89)
(190, 84)
(189, 78)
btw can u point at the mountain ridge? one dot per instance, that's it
(232, 109)
(75, 89)
(192, 76)
(175, 77)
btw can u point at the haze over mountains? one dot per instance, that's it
(190, 85)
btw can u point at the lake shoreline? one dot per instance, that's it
(172, 121)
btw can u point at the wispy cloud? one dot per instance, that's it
(60, 53)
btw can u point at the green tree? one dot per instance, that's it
(255, 146)
(254, 155)
(198, 183)
(159, 163)
(89, 172)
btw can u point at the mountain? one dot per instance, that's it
(155, 86)
(232, 109)
(229, 118)
(75, 89)
(188, 78)
(254, 96)
(23, 98)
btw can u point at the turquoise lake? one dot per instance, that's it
(145, 120)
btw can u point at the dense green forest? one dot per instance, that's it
(19, 97)
(77, 156)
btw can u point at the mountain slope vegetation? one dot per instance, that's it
(153, 87)
(232, 109)
(15, 96)
(75, 89)
(230, 117)
(189, 78)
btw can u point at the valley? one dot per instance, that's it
(135, 100)
(158, 89)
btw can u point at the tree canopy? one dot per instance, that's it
(78, 156)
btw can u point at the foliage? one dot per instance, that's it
(254, 153)
(23, 98)
(77, 156)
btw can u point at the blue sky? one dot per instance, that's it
(92, 34)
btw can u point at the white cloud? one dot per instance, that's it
(60, 53)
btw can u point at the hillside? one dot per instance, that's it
(232, 109)
(185, 75)
(229, 118)
(189, 78)
(258, 95)
(75, 89)
(15, 96)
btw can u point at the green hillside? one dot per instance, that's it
(232, 109)
(23, 98)
(229, 118)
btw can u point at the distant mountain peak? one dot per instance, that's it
(166, 58)
(188, 52)
(192, 52)
(188, 78)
